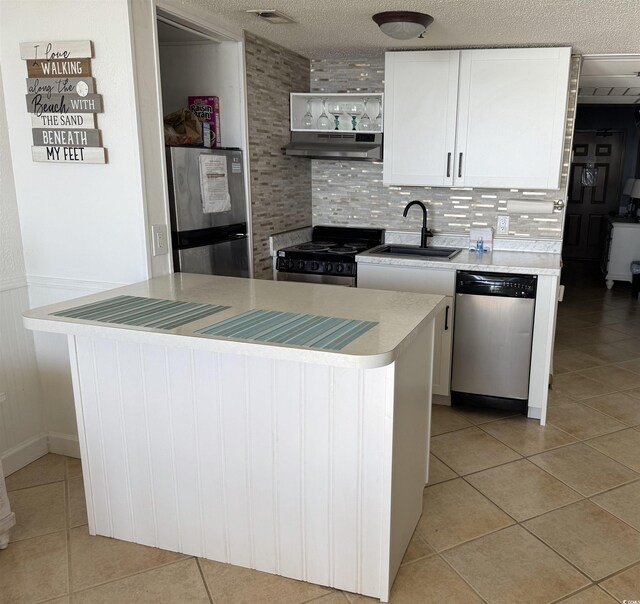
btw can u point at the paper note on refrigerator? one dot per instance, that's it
(214, 183)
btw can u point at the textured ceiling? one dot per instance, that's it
(339, 28)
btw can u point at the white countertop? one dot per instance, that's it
(539, 257)
(399, 316)
(538, 263)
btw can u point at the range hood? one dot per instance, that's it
(365, 146)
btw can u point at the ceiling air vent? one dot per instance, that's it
(271, 15)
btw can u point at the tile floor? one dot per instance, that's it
(514, 512)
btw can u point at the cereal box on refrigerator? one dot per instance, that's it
(207, 109)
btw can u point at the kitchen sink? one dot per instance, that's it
(442, 253)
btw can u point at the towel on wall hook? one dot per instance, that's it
(589, 176)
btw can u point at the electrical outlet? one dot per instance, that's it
(503, 225)
(160, 243)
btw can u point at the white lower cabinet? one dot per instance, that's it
(422, 281)
(442, 345)
(442, 281)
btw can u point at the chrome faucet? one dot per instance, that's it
(424, 232)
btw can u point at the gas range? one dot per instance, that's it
(330, 256)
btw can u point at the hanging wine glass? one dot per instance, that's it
(335, 109)
(307, 118)
(354, 110)
(324, 122)
(365, 120)
(378, 121)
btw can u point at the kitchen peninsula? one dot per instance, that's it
(276, 426)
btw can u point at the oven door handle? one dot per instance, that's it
(349, 281)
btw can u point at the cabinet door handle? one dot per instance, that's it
(448, 165)
(446, 319)
(460, 166)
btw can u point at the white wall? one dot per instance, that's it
(22, 434)
(79, 222)
(83, 226)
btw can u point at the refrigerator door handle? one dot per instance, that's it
(199, 237)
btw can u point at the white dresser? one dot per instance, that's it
(622, 247)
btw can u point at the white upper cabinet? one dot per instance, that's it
(502, 119)
(511, 117)
(420, 117)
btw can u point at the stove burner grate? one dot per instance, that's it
(315, 246)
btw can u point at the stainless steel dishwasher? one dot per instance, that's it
(492, 339)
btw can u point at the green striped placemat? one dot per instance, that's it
(141, 312)
(313, 331)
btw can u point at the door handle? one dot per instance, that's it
(446, 319)
(460, 166)
(448, 165)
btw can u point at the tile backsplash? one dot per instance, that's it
(352, 193)
(280, 185)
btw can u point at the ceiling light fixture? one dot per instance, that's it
(402, 24)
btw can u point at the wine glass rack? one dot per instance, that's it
(301, 102)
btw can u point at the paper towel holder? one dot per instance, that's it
(558, 205)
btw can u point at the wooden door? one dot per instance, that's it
(594, 192)
(421, 90)
(511, 117)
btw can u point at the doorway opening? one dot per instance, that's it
(605, 164)
(196, 61)
(201, 74)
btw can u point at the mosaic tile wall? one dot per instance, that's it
(352, 193)
(280, 185)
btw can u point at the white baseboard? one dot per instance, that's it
(24, 453)
(35, 447)
(440, 399)
(534, 412)
(63, 444)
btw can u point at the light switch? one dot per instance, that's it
(160, 240)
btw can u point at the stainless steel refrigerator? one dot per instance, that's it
(208, 211)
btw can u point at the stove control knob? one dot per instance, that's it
(315, 266)
(300, 264)
(339, 268)
(328, 267)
